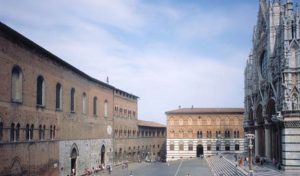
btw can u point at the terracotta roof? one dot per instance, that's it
(150, 124)
(207, 111)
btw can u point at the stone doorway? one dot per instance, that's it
(74, 155)
(199, 150)
(102, 154)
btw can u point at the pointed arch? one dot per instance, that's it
(259, 115)
(74, 152)
(294, 54)
(12, 132)
(18, 132)
(271, 108)
(294, 100)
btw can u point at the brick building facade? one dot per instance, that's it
(192, 132)
(54, 118)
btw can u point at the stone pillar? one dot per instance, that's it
(267, 142)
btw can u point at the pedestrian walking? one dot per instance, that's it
(130, 173)
(109, 168)
(235, 157)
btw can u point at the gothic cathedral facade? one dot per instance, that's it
(272, 84)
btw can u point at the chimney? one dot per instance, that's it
(107, 80)
(179, 107)
(192, 106)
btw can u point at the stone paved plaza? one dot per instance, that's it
(175, 168)
(208, 166)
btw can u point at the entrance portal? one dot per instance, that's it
(199, 150)
(74, 155)
(102, 154)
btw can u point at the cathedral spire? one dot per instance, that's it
(289, 7)
(297, 10)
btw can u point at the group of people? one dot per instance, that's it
(241, 161)
(88, 171)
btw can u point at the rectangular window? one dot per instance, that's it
(190, 147)
(237, 147)
(171, 146)
(208, 147)
(227, 147)
(180, 146)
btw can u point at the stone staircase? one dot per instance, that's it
(220, 166)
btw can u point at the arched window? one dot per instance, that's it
(95, 106)
(40, 132)
(16, 84)
(31, 131)
(238, 134)
(54, 128)
(51, 132)
(234, 134)
(40, 91)
(27, 132)
(129, 113)
(58, 96)
(264, 64)
(44, 131)
(1, 131)
(199, 134)
(84, 104)
(72, 100)
(18, 132)
(12, 132)
(121, 112)
(116, 111)
(105, 108)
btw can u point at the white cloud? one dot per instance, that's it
(97, 37)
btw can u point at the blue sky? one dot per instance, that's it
(169, 53)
